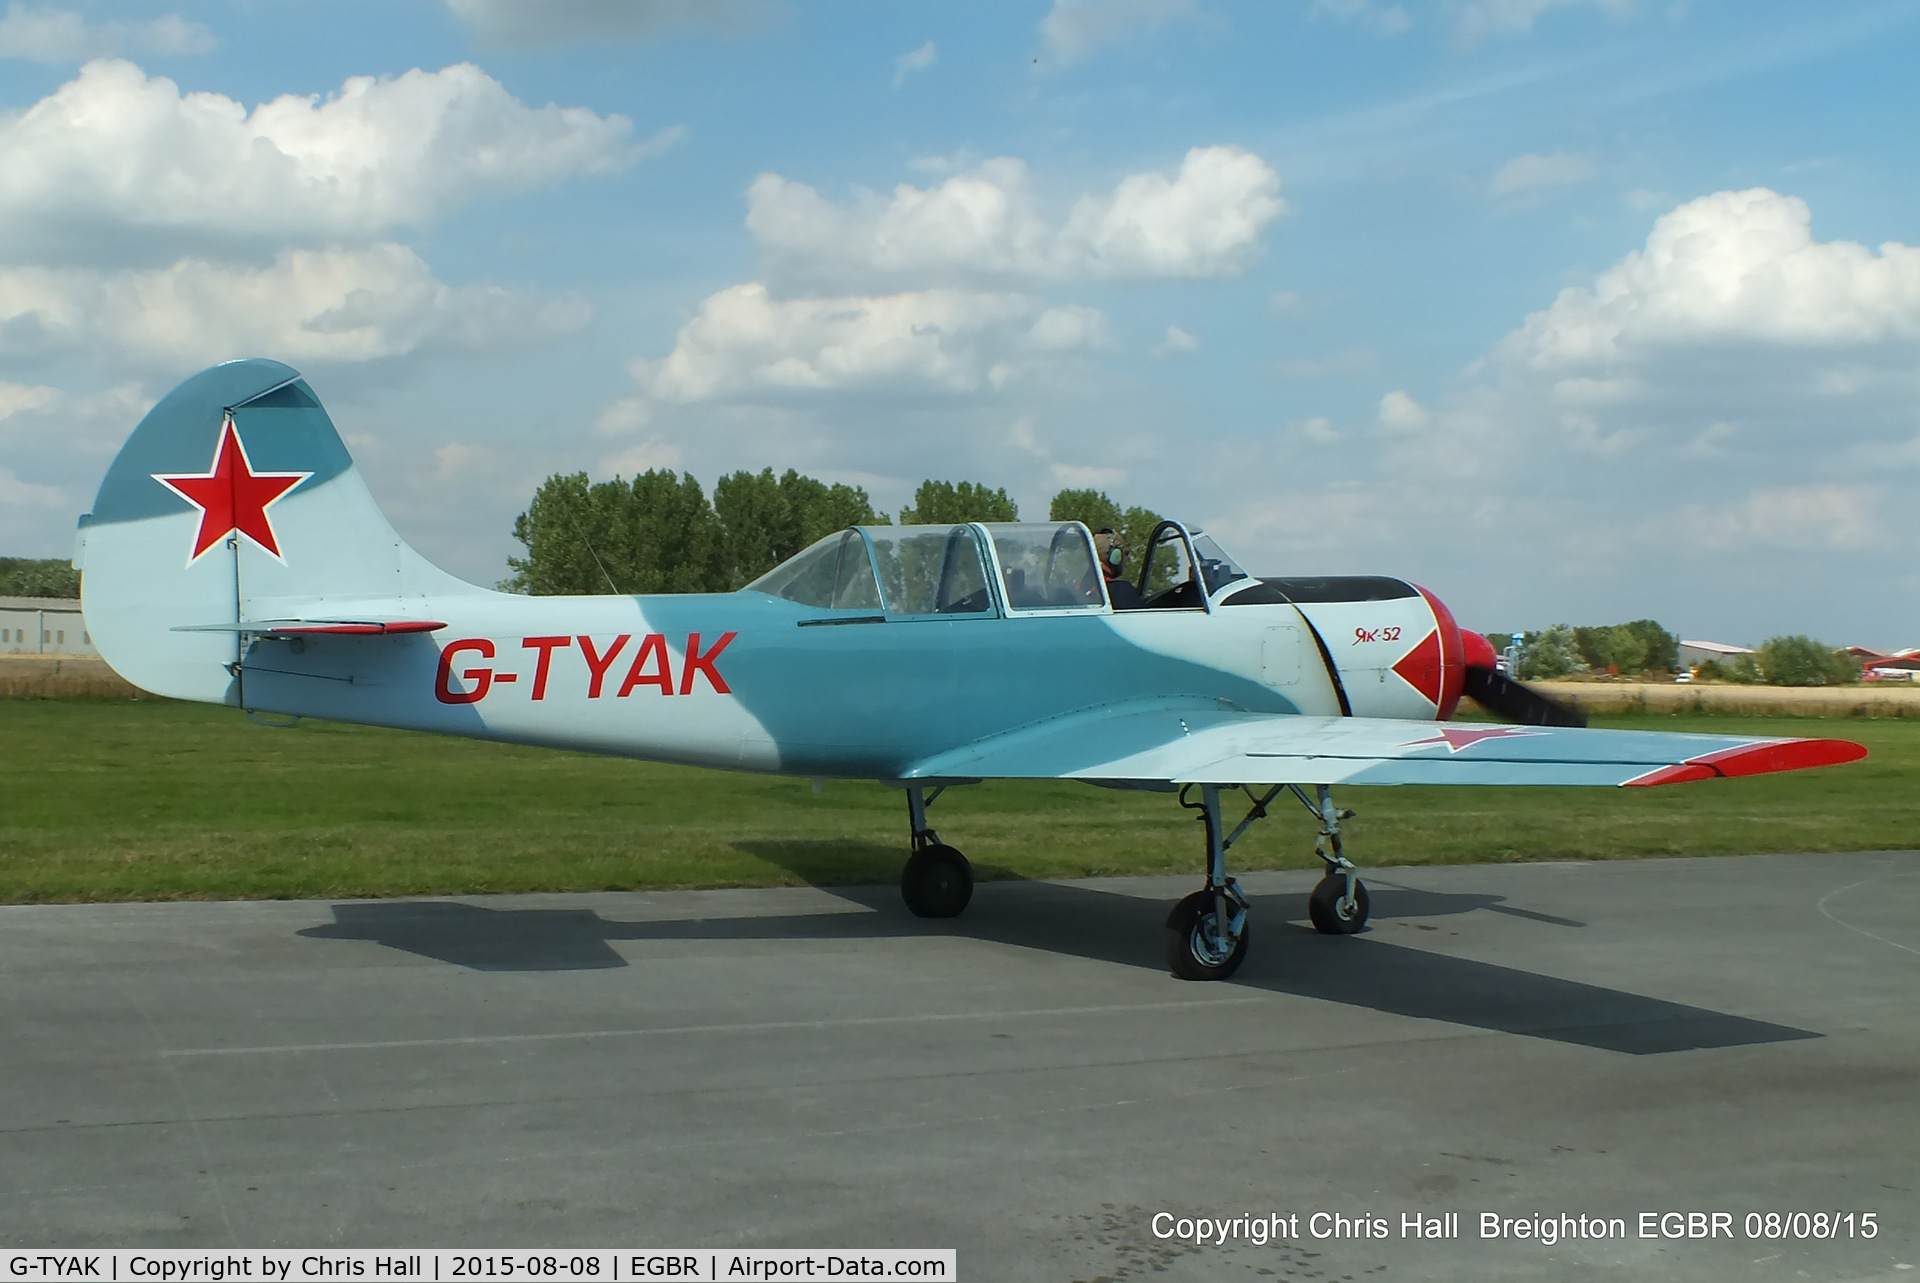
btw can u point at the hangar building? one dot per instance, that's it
(43, 626)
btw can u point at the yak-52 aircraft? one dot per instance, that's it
(234, 556)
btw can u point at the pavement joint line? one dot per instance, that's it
(760, 1026)
(1829, 915)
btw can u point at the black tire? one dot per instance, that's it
(1193, 946)
(937, 882)
(1323, 906)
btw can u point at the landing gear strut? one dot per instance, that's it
(938, 881)
(1206, 935)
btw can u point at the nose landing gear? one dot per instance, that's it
(1338, 905)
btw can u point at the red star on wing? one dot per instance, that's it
(231, 496)
(1459, 737)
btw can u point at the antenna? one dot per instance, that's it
(582, 532)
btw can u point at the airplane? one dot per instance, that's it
(234, 556)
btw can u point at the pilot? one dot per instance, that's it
(1113, 557)
(1113, 562)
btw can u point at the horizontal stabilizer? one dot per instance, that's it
(312, 627)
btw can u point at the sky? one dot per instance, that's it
(1569, 310)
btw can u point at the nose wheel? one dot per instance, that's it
(1334, 910)
(1338, 905)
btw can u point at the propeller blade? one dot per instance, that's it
(1507, 698)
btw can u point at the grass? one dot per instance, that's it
(138, 800)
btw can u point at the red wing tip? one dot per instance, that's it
(1755, 759)
(1783, 755)
(1684, 773)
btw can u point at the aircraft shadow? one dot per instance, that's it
(1078, 921)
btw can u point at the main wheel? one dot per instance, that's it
(1329, 916)
(937, 882)
(1196, 947)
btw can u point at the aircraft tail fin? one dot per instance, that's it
(235, 500)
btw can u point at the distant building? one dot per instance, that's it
(43, 626)
(1695, 653)
(1904, 667)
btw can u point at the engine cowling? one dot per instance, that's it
(1395, 647)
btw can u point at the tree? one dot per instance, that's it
(656, 533)
(564, 521)
(940, 503)
(1802, 661)
(673, 540)
(767, 520)
(38, 577)
(1662, 647)
(1612, 647)
(1738, 669)
(1554, 653)
(1640, 646)
(1133, 525)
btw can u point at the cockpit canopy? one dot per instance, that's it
(953, 570)
(943, 570)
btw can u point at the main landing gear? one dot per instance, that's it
(1206, 934)
(938, 881)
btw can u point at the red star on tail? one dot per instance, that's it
(231, 496)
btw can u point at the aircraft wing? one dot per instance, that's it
(1165, 746)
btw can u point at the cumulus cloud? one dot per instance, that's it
(1176, 342)
(535, 23)
(1523, 173)
(1317, 430)
(362, 304)
(41, 424)
(16, 398)
(1480, 18)
(1734, 392)
(1075, 30)
(645, 457)
(1401, 413)
(1334, 365)
(1205, 220)
(27, 499)
(1731, 267)
(1387, 19)
(55, 444)
(1820, 516)
(745, 343)
(918, 60)
(61, 35)
(115, 151)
